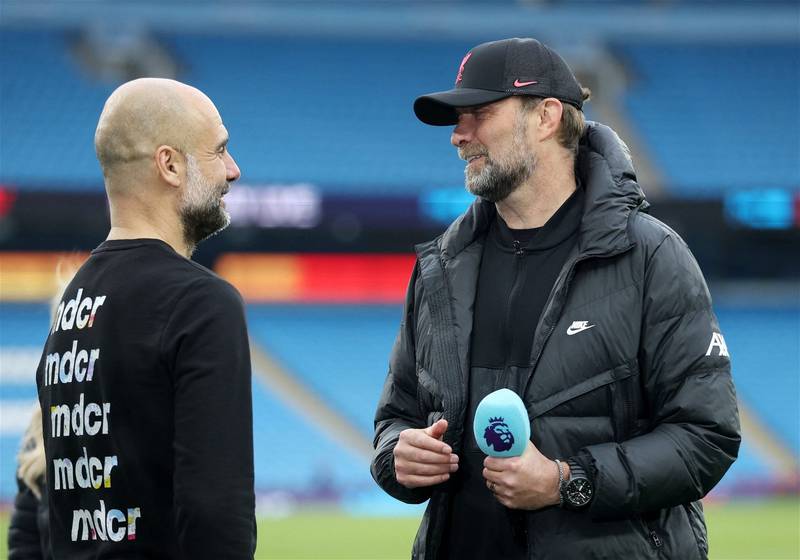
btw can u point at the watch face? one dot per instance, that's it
(579, 492)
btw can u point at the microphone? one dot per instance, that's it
(501, 426)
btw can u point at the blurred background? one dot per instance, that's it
(339, 181)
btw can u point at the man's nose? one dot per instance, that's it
(464, 131)
(231, 169)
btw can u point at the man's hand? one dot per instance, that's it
(421, 458)
(529, 481)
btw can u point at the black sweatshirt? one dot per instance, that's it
(518, 270)
(145, 389)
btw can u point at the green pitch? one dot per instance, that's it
(737, 530)
(754, 530)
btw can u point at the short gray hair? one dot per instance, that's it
(573, 122)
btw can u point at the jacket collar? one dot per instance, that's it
(605, 169)
(562, 225)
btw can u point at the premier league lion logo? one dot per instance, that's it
(498, 435)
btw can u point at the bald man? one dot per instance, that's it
(145, 378)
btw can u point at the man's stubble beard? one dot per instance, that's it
(201, 212)
(498, 179)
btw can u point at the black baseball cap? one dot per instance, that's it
(499, 69)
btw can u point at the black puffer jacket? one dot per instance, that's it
(28, 529)
(644, 399)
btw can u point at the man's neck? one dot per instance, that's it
(130, 221)
(536, 200)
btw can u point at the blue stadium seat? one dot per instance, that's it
(765, 353)
(334, 113)
(340, 352)
(717, 117)
(337, 113)
(48, 114)
(23, 329)
(292, 455)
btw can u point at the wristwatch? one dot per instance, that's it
(576, 492)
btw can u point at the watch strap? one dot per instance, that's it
(576, 470)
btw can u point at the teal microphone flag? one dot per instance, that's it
(501, 426)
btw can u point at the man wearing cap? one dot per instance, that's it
(558, 285)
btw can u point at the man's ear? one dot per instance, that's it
(170, 165)
(550, 111)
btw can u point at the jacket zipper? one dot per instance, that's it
(655, 539)
(519, 253)
(548, 305)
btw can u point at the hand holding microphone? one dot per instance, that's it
(501, 424)
(518, 475)
(421, 458)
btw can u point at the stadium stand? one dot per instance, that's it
(338, 113)
(308, 114)
(23, 329)
(765, 353)
(340, 352)
(291, 455)
(49, 111)
(717, 88)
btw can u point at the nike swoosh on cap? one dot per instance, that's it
(517, 83)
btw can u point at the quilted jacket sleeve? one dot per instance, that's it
(398, 407)
(686, 378)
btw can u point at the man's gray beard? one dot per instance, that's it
(202, 214)
(496, 181)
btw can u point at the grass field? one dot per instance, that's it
(737, 531)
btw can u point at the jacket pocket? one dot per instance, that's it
(542, 406)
